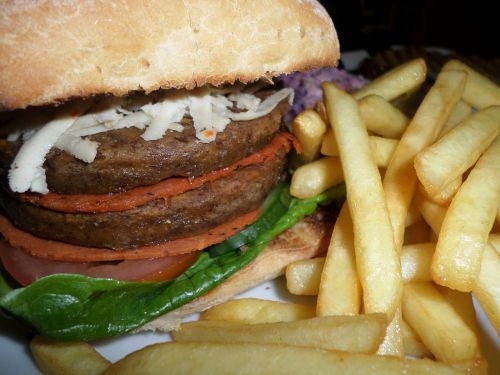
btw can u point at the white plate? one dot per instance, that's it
(15, 357)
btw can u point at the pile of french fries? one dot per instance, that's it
(418, 234)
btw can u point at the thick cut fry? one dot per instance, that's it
(487, 286)
(253, 311)
(445, 196)
(415, 265)
(475, 366)
(67, 358)
(436, 322)
(357, 334)
(459, 113)
(377, 260)
(303, 277)
(494, 239)
(381, 148)
(400, 178)
(314, 178)
(412, 344)
(462, 303)
(309, 129)
(256, 359)
(417, 233)
(416, 261)
(479, 91)
(414, 214)
(381, 117)
(392, 344)
(340, 289)
(467, 223)
(396, 82)
(440, 164)
(329, 145)
(432, 212)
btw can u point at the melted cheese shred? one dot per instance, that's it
(210, 110)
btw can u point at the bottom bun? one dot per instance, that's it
(307, 239)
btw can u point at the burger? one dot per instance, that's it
(143, 157)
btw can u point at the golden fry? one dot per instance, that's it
(416, 261)
(252, 311)
(436, 322)
(328, 332)
(255, 359)
(309, 129)
(400, 178)
(381, 117)
(459, 113)
(438, 165)
(67, 358)
(314, 178)
(396, 82)
(377, 260)
(303, 277)
(467, 223)
(412, 343)
(339, 289)
(480, 92)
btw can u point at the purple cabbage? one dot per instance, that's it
(307, 86)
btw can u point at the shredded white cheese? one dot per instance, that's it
(209, 108)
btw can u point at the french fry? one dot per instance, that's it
(357, 334)
(440, 164)
(467, 223)
(339, 289)
(255, 359)
(416, 261)
(392, 344)
(396, 82)
(381, 148)
(377, 260)
(494, 239)
(400, 178)
(67, 358)
(321, 109)
(314, 178)
(253, 311)
(436, 322)
(381, 117)
(415, 266)
(303, 277)
(444, 197)
(412, 343)
(459, 113)
(414, 215)
(432, 212)
(329, 145)
(309, 129)
(487, 286)
(462, 303)
(480, 92)
(416, 233)
(475, 366)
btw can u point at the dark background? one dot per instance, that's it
(469, 27)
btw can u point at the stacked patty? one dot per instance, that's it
(125, 161)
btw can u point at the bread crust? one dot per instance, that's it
(307, 239)
(52, 51)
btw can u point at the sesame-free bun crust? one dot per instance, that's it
(52, 51)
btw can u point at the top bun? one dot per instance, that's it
(52, 51)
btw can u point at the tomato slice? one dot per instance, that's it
(25, 268)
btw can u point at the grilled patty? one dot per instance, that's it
(124, 160)
(183, 215)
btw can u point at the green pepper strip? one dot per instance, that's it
(76, 307)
